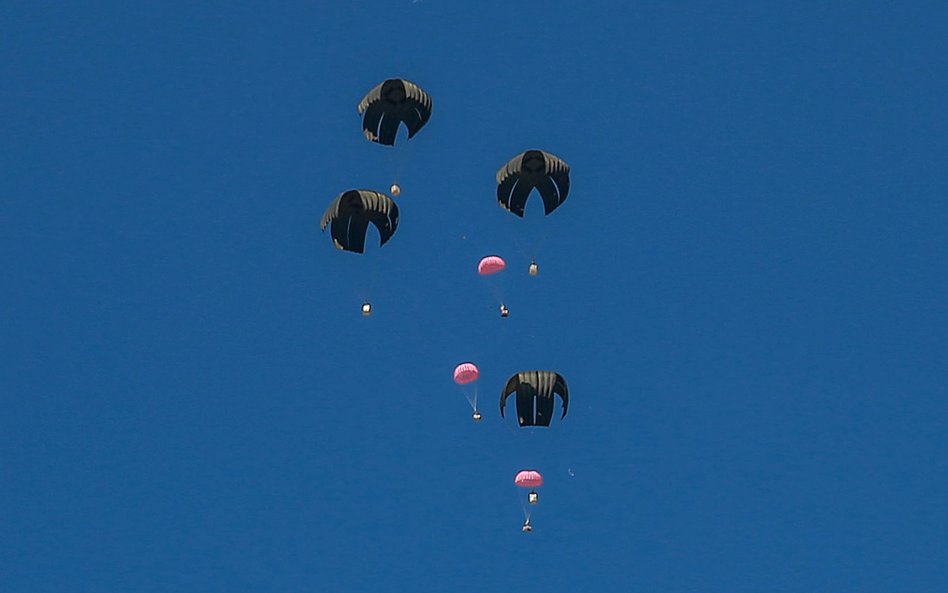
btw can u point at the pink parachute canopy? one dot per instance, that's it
(491, 265)
(528, 478)
(466, 372)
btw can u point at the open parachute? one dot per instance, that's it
(528, 170)
(391, 103)
(491, 265)
(466, 372)
(535, 394)
(528, 478)
(351, 212)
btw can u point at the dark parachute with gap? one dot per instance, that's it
(535, 396)
(391, 103)
(528, 170)
(350, 214)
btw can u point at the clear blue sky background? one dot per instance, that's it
(746, 291)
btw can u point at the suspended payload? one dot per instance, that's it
(535, 391)
(350, 214)
(528, 170)
(391, 103)
(466, 375)
(491, 265)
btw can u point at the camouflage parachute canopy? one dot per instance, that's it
(391, 103)
(532, 169)
(351, 213)
(535, 391)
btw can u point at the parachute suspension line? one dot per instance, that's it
(518, 242)
(548, 231)
(470, 401)
(371, 275)
(376, 272)
(526, 511)
(541, 240)
(531, 249)
(474, 405)
(493, 285)
(399, 158)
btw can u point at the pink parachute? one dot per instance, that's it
(466, 372)
(528, 478)
(491, 265)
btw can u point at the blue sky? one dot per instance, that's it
(745, 291)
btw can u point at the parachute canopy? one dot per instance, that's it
(351, 213)
(491, 265)
(528, 170)
(391, 103)
(535, 390)
(466, 372)
(528, 478)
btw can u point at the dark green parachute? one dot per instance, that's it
(351, 213)
(391, 103)
(535, 387)
(532, 169)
